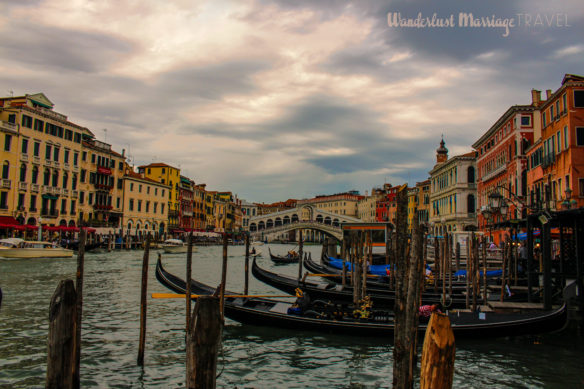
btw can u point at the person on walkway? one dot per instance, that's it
(425, 311)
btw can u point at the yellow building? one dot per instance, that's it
(42, 165)
(210, 210)
(412, 206)
(199, 218)
(423, 201)
(367, 207)
(145, 206)
(340, 204)
(168, 175)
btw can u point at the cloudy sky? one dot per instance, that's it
(286, 99)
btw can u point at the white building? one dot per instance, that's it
(453, 192)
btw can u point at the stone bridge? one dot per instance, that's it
(305, 217)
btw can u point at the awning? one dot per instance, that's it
(50, 197)
(8, 220)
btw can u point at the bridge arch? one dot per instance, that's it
(286, 220)
(294, 218)
(269, 223)
(261, 225)
(319, 218)
(278, 222)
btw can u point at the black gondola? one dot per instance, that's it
(274, 313)
(283, 259)
(338, 293)
(88, 246)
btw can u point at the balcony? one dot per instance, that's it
(36, 160)
(47, 189)
(548, 160)
(34, 188)
(22, 186)
(10, 127)
(103, 186)
(56, 164)
(66, 166)
(49, 213)
(24, 157)
(75, 193)
(102, 207)
(65, 192)
(6, 184)
(494, 173)
(76, 168)
(104, 170)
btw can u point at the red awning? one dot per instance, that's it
(89, 229)
(30, 227)
(8, 220)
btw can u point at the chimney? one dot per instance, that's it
(535, 97)
(123, 152)
(548, 94)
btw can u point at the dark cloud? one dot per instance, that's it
(60, 49)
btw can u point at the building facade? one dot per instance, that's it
(145, 206)
(453, 192)
(340, 204)
(167, 175)
(42, 168)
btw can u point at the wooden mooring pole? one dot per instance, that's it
(188, 279)
(79, 303)
(300, 255)
(246, 284)
(223, 277)
(143, 302)
(203, 343)
(438, 354)
(62, 337)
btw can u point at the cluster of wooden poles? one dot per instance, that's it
(205, 323)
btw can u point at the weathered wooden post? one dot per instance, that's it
(246, 282)
(143, 302)
(223, 277)
(188, 280)
(300, 256)
(457, 254)
(484, 253)
(62, 337)
(437, 259)
(468, 272)
(79, 303)
(387, 240)
(505, 262)
(438, 354)
(203, 343)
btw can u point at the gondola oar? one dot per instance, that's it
(182, 296)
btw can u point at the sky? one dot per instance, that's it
(287, 99)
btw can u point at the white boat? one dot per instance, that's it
(176, 246)
(18, 248)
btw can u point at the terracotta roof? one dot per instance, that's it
(138, 176)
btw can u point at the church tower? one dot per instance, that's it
(441, 153)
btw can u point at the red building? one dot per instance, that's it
(386, 208)
(502, 163)
(185, 199)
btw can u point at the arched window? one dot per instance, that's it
(65, 180)
(74, 182)
(35, 174)
(5, 170)
(47, 177)
(23, 172)
(55, 178)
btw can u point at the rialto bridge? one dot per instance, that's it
(315, 224)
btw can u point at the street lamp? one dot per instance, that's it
(495, 200)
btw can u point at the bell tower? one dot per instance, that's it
(441, 152)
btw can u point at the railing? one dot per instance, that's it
(66, 166)
(34, 188)
(6, 184)
(48, 162)
(65, 192)
(9, 126)
(36, 159)
(493, 173)
(49, 213)
(56, 164)
(75, 193)
(75, 168)
(22, 185)
(24, 157)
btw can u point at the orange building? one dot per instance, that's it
(556, 169)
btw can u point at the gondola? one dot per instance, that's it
(335, 292)
(275, 313)
(283, 259)
(88, 246)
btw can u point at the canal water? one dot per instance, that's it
(252, 357)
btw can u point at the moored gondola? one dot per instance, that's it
(336, 292)
(325, 318)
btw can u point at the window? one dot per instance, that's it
(74, 182)
(154, 207)
(566, 140)
(131, 206)
(139, 205)
(84, 156)
(155, 191)
(68, 135)
(565, 102)
(147, 190)
(72, 207)
(33, 199)
(26, 121)
(544, 119)
(90, 198)
(55, 178)
(579, 98)
(75, 159)
(149, 172)
(56, 151)
(7, 142)
(92, 158)
(552, 116)
(579, 136)
(66, 156)
(147, 206)
(35, 174)
(47, 152)
(23, 172)
(38, 125)
(525, 120)
(6, 170)
(162, 193)
(131, 186)
(163, 171)
(120, 183)
(140, 188)
(65, 180)
(558, 139)
(83, 174)
(37, 149)
(77, 137)
(558, 108)
(118, 202)
(63, 206)
(162, 208)
(46, 177)
(81, 197)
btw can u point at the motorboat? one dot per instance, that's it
(175, 246)
(18, 248)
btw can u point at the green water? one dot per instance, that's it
(252, 357)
